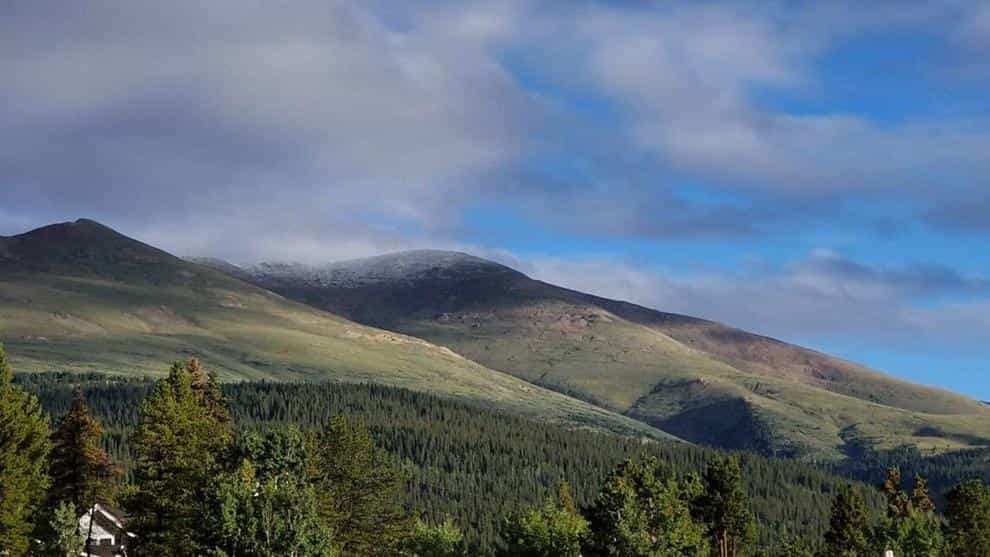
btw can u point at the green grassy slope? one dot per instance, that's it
(697, 379)
(78, 296)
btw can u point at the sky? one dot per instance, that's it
(812, 171)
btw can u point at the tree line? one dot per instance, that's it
(462, 461)
(200, 479)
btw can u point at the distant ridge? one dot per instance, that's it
(406, 266)
(80, 296)
(700, 380)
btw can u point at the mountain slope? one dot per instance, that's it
(80, 296)
(698, 379)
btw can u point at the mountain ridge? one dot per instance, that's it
(665, 369)
(80, 296)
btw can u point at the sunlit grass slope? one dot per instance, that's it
(700, 380)
(78, 296)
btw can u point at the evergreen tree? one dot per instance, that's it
(81, 471)
(555, 529)
(443, 540)
(180, 444)
(644, 511)
(24, 447)
(207, 386)
(724, 509)
(898, 503)
(470, 463)
(360, 490)
(921, 500)
(848, 526)
(968, 513)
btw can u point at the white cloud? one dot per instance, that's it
(689, 77)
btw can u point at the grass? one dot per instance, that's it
(637, 369)
(92, 323)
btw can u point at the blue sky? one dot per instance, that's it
(803, 170)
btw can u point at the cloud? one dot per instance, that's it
(322, 129)
(819, 298)
(688, 79)
(267, 114)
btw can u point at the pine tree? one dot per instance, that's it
(724, 509)
(921, 500)
(848, 526)
(81, 471)
(360, 490)
(180, 445)
(968, 513)
(24, 447)
(898, 503)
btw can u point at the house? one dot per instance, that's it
(107, 535)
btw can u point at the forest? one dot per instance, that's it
(203, 468)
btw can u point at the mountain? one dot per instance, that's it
(79, 296)
(697, 379)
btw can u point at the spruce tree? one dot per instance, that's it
(724, 508)
(24, 447)
(898, 503)
(360, 490)
(968, 513)
(180, 445)
(81, 471)
(848, 526)
(921, 500)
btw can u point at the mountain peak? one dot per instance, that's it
(83, 246)
(417, 260)
(404, 266)
(88, 223)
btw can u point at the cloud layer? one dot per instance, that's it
(311, 120)
(319, 130)
(821, 298)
